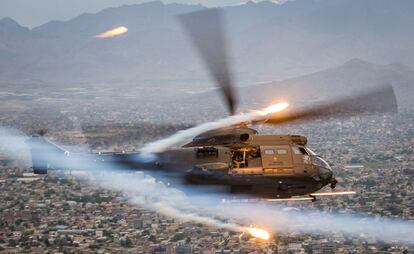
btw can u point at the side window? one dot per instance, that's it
(269, 152)
(296, 150)
(281, 151)
(299, 150)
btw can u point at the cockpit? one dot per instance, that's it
(281, 159)
(324, 169)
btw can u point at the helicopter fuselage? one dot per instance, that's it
(268, 166)
(238, 161)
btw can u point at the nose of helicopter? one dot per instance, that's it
(325, 173)
(324, 169)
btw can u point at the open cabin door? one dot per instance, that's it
(277, 160)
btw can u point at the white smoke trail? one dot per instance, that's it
(146, 192)
(182, 137)
(12, 146)
(139, 188)
(315, 222)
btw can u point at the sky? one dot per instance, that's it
(32, 13)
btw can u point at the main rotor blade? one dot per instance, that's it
(380, 100)
(205, 28)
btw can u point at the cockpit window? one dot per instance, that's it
(303, 151)
(310, 152)
(299, 150)
(321, 162)
(269, 151)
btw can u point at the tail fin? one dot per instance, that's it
(45, 154)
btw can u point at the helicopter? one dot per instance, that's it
(233, 159)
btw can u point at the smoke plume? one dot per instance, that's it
(182, 137)
(145, 191)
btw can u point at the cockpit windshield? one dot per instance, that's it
(310, 152)
(318, 161)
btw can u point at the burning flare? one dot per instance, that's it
(274, 108)
(258, 233)
(113, 32)
(184, 136)
(333, 193)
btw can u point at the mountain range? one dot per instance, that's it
(268, 42)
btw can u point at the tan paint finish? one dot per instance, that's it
(279, 171)
(248, 171)
(277, 157)
(260, 140)
(283, 161)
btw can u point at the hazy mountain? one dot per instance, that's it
(269, 41)
(13, 39)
